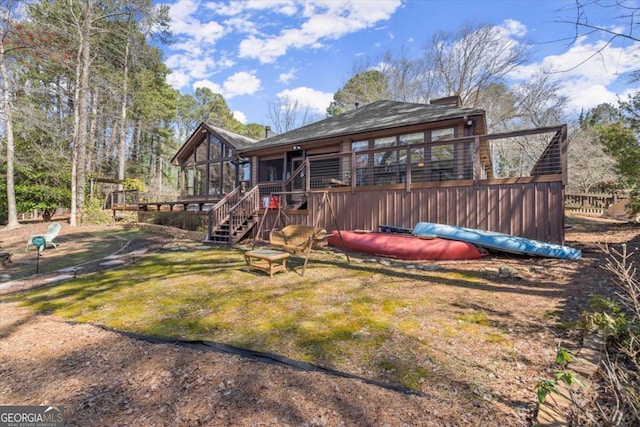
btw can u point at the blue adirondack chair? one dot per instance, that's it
(49, 236)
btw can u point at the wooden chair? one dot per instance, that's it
(49, 236)
(297, 238)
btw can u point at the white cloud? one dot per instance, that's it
(241, 83)
(595, 62)
(181, 9)
(327, 20)
(194, 43)
(284, 7)
(184, 24)
(584, 95)
(513, 28)
(317, 101)
(288, 76)
(200, 67)
(215, 87)
(242, 25)
(208, 32)
(588, 73)
(178, 80)
(240, 116)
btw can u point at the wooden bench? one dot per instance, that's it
(268, 260)
(297, 238)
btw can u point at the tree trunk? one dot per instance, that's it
(92, 163)
(84, 111)
(123, 117)
(80, 116)
(12, 214)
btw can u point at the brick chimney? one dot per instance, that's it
(447, 101)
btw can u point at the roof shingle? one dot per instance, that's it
(375, 116)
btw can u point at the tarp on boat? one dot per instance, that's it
(497, 241)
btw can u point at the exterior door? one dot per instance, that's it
(298, 182)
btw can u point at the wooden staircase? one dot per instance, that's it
(227, 235)
(233, 217)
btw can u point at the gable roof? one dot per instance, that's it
(237, 141)
(375, 116)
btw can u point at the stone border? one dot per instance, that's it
(552, 413)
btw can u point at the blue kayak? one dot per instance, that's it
(497, 241)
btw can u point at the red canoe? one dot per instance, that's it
(404, 246)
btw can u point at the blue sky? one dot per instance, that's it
(256, 51)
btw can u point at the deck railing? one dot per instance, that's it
(123, 200)
(530, 153)
(219, 213)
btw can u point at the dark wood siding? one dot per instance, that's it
(534, 210)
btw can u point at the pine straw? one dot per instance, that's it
(468, 340)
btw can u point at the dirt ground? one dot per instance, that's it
(105, 378)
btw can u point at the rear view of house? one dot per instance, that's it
(386, 162)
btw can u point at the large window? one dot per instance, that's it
(189, 178)
(418, 166)
(244, 174)
(442, 156)
(214, 179)
(211, 171)
(412, 138)
(216, 149)
(200, 189)
(386, 166)
(271, 170)
(442, 134)
(229, 177)
(362, 162)
(201, 152)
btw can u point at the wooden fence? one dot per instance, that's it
(590, 202)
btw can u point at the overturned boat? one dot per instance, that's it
(402, 246)
(497, 241)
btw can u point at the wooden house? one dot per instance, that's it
(384, 163)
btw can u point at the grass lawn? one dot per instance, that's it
(74, 248)
(445, 327)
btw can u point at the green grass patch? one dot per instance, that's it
(476, 318)
(383, 322)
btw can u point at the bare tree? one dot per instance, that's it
(500, 106)
(589, 166)
(539, 101)
(405, 77)
(287, 114)
(466, 62)
(622, 23)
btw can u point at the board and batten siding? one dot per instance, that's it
(534, 210)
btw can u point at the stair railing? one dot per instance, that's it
(241, 212)
(219, 213)
(235, 209)
(297, 181)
